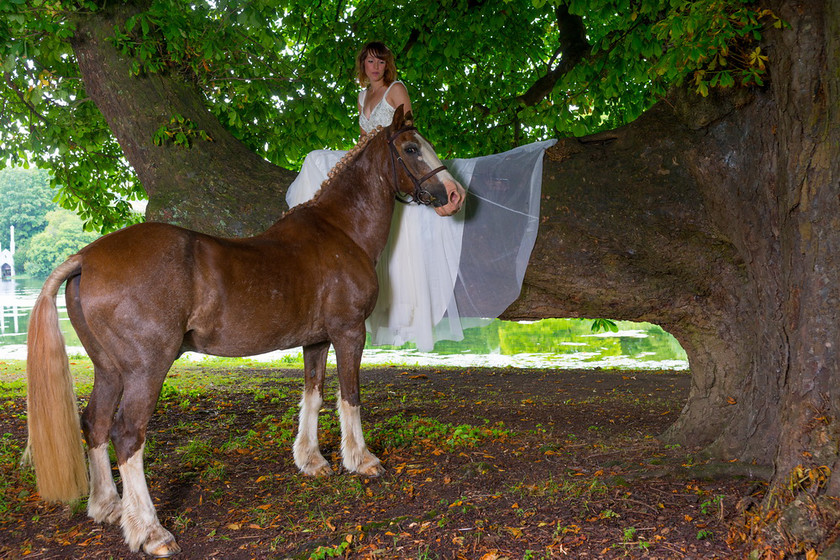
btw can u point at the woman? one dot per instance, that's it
(381, 92)
(426, 284)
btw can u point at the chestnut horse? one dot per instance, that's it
(141, 296)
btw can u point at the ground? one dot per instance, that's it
(480, 464)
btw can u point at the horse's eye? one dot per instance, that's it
(411, 149)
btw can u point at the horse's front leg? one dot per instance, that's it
(354, 452)
(307, 455)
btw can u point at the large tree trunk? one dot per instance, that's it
(716, 218)
(217, 186)
(719, 219)
(629, 231)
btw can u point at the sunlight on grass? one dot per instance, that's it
(198, 360)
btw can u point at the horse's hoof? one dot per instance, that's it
(313, 465)
(320, 470)
(161, 544)
(164, 550)
(372, 470)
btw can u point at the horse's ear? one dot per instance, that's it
(409, 119)
(399, 115)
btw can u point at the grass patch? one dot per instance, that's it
(458, 482)
(15, 482)
(400, 431)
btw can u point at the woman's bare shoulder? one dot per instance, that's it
(398, 95)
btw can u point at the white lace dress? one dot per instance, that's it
(429, 289)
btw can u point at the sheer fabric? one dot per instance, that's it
(500, 223)
(429, 288)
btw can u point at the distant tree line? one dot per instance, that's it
(45, 233)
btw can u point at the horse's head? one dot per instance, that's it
(418, 171)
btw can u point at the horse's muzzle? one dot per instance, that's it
(454, 201)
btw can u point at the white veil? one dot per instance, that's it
(472, 264)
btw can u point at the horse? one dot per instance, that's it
(140, 297)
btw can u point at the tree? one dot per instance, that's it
(63, 236)
(713, 214)
(25, 199)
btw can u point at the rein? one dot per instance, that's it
(420, 195)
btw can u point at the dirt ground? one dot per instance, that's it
(480, 464)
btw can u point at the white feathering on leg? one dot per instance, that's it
(139, 522)
(104, 505)
(354, 452)
(307, 455)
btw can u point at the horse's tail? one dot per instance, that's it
(55, 441)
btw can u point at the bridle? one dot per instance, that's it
(420, 195)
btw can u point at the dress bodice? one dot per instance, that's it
(381, 115)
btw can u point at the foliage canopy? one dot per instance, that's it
(484, 76)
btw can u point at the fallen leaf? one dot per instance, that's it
(515, 531)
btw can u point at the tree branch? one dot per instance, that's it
(12, 86)
(573, 48)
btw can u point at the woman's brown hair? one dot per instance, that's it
(380, 51)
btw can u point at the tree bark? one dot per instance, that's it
(627, 233)
(808, 183)
(716, 218)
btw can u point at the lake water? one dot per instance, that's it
(550, 343)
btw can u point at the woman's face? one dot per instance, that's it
(374, 68)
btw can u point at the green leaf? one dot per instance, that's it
(604, 325)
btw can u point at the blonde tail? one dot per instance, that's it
(55, 440)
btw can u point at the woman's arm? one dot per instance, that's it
(398, 95)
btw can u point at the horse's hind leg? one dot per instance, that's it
(140, 524)
(307, 455)
(354, 452)
(104, 505)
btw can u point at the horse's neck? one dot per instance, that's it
(360, 201)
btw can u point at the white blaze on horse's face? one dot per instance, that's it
(454, 191)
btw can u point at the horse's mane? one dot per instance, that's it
(342, 164)
(349, 156)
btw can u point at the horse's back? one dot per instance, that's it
(152, 246)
